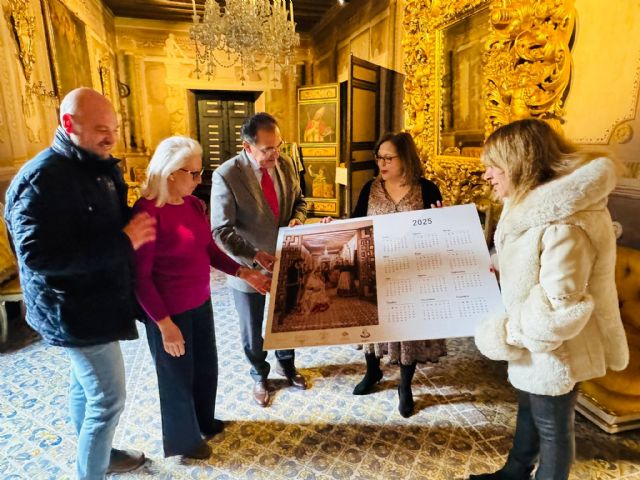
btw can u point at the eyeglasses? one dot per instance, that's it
(195, 174)
(271, 150)
(386, 159)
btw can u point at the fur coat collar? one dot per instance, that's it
(586, 188)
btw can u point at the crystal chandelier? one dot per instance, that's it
(255, 33)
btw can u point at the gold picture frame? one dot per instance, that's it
(67, 42)
(526, 73)
(319, 136)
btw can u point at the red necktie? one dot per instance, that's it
(270, 195)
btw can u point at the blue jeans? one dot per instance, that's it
(544, 431)
(187, 384)
(96, 400)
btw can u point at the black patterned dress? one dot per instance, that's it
(374, 200)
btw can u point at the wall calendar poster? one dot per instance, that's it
(416, 275)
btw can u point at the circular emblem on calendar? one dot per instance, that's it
(364, 333)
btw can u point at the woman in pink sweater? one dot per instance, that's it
(172, 285)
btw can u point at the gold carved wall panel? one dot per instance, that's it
(526, 67)
(22, 24)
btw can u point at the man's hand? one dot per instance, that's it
(257, 280)
(172, 338)
(140, 230)
(438, 204)
(265, 260)
(294, 222)
(326, 220)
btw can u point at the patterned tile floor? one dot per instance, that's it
(465, 419)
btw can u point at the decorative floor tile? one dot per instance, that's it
(465, 415)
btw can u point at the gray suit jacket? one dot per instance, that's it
(241, 219)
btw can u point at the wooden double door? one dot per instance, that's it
(220, 117)
(371, 105)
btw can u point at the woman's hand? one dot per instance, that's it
(256, 279)
(294, 222)
(495, 272)
(265, 260)
(493, 269)
(172, 338)
(438, 204)
(326, 220)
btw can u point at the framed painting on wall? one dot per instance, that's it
(462, 108)
(317, 122)
(320, 178)
(318, 133)
(67, 40)
(379, 42)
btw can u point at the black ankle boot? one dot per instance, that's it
(405, 407)
(487, 476)
(373, 375)
(512, 470)
(499, 475)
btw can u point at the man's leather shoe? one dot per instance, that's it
(122, 461)
(261, 393)
(295, 379)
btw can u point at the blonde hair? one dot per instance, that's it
(170, 155)
(531, 153)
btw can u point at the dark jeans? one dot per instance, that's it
(187, 384)
(544, 431)
(250, 307)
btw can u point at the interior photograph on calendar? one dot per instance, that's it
(326, 280)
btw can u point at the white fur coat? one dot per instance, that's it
(556, 258)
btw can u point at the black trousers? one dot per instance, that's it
(187, 384)
(250, 307)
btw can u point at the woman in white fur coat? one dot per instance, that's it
(556, 256)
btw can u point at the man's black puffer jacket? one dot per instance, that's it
(65, 211)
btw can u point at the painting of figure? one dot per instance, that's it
(317, 123)
(320, 178)
(68, 39)
(326, 280)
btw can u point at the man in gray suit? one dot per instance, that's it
(254, 194)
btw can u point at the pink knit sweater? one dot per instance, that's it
(172, 272)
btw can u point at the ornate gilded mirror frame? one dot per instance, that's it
(526, 72)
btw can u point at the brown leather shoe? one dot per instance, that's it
(296, 379)
(261, 393)
(122, 461)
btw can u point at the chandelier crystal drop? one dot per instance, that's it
(253, 33)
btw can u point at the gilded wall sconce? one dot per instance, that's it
(22, 25)
(23, 29)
